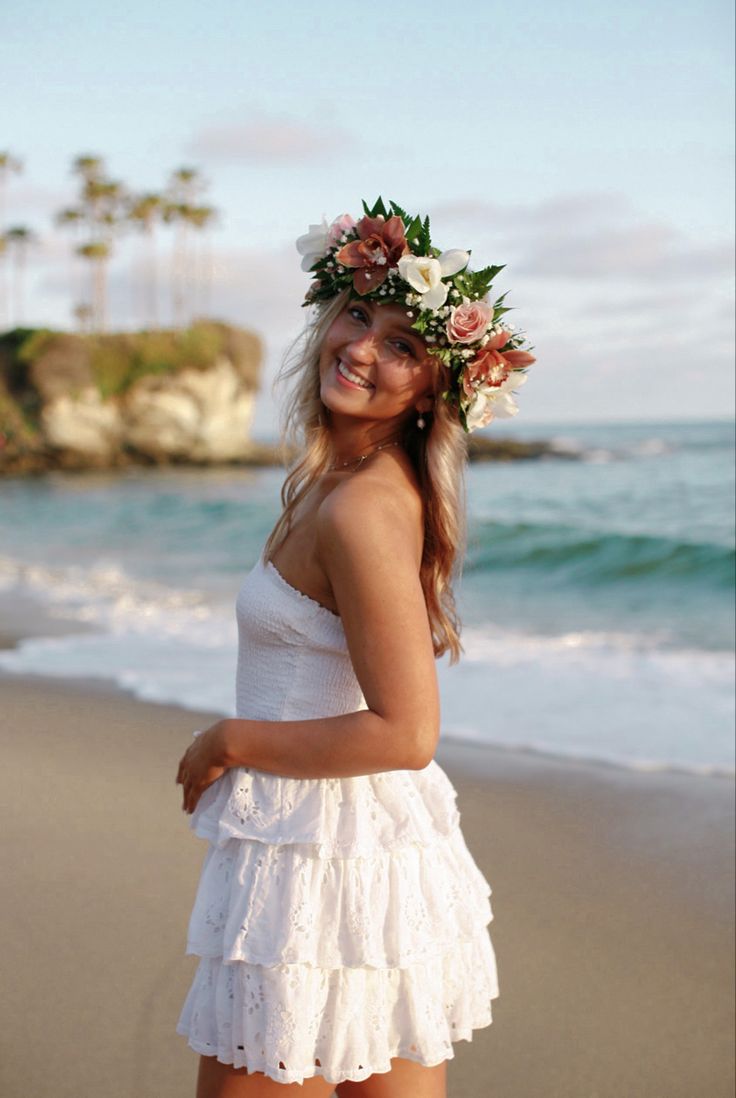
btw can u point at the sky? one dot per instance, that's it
(588, 147)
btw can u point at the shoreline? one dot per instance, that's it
(612, 900)
(25, 617)
(104, 684)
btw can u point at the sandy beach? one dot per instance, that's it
(612, 896)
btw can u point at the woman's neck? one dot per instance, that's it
(352, 439)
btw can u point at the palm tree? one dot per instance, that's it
(84, 315)
(183, 187)
(98, 252)
(8, 164)
(73, 219)
(4, 310)
(102, 203)
(144, 210)
(105, 200)
(199, 218)
(19, 238)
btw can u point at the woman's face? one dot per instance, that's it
(373, 365)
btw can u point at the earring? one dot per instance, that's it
(420, 422)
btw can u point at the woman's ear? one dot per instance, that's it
(426, 404)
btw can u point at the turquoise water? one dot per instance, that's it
(606, 583)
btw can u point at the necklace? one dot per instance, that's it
(361, 459)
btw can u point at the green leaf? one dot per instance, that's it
(378, 208)
(398, 212)
(421, 235)
(464, 277)
(490, 273)
(412, 233)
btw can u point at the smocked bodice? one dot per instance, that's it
(293, 659)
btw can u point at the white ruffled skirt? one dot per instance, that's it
(339, 923)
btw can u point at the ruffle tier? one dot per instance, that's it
(339, 817)
(271, 905)
(293, 1022)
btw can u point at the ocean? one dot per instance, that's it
(597, 593)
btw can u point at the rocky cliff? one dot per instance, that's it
(71, 401)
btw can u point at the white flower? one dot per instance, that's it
(425, 274)
(494, 402)
(313, 244)
(453, 261)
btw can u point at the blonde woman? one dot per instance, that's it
(340, 920)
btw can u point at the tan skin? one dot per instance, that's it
(355, 546)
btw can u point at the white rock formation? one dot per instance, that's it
(83, 423)
(201, 415)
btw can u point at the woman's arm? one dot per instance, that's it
(367, 545)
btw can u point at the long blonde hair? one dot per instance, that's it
(438, 454)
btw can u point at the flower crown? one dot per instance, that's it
(388, 256)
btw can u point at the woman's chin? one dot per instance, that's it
(339, 400)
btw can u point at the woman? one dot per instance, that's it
(340, 919)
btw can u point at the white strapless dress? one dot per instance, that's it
(340, 922)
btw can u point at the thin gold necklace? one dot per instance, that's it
(361, 459)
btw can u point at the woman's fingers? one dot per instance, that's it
(196, 771)
(182, 768)
(191, 797)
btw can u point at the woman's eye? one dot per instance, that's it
(404, 348)
(356, 310)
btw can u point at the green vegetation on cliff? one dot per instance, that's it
(52, 362)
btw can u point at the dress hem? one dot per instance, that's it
(284, 1075)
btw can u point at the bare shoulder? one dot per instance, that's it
(380, 509)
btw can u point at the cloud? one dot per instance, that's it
(629, 314)
(643, 253)
(34, 205)
(267, 139)
(589, 236)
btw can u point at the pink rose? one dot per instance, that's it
(340, 225)
(469, 322)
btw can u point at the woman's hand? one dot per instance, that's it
(201, 765)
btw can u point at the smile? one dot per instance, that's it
(347, 375)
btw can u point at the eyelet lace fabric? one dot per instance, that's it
(339, 922)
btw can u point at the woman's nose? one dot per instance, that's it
(363, 348)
